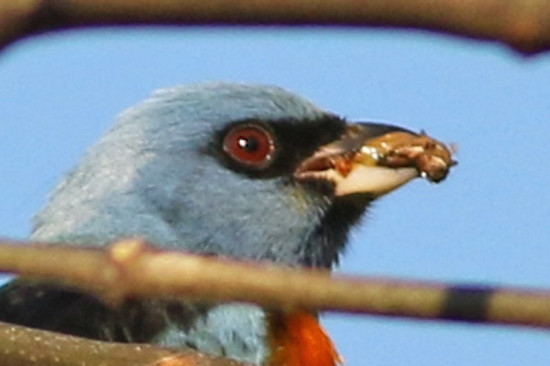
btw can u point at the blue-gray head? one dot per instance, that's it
(219, 168)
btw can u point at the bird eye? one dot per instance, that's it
(249, 145)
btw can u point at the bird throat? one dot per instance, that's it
(330, 236)
(297, 339)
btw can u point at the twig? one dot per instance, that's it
(21, 346)
(132, 269)
(522, 24)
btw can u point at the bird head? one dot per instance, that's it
(245, 171)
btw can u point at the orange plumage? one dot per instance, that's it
(297, 339)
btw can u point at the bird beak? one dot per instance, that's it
(375, 159)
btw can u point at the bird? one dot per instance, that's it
(242, 171)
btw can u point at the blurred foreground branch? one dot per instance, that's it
(522, 24)
(22, 346)
(131, 268)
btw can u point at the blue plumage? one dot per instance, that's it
(160, 174)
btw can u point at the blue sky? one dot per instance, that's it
(487, 223)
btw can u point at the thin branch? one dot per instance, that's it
(20, 346)
(131, 268)
(524, 25)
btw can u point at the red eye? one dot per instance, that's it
(249, 145)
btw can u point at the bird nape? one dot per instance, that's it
(250, 172)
